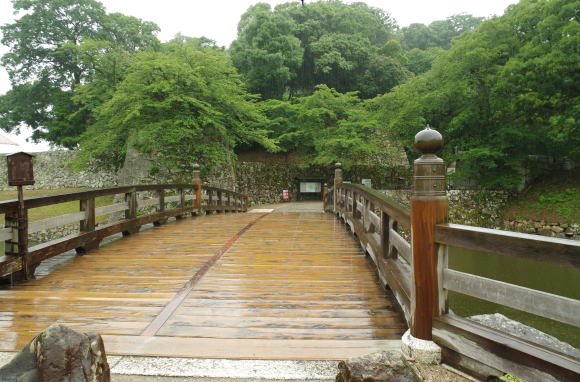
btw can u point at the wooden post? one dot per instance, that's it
(181, 193)
(160, 207)
(385, 234)
(196, 179)
(246, 202)
(429, 207)
(88, 224)
(220, 202)
(23, 236)
(337, 181)
(131, 211)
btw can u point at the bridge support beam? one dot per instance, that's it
(429, 206)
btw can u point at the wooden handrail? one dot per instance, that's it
(90, 235)
(526, 246)
(465, 343)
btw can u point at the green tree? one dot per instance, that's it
(266, 51)
(55, 46)
(438, 34)
(293, 48)
(502, 93)
(327, 126)
(181, 105)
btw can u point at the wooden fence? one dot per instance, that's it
(139, 205)
(417, 273)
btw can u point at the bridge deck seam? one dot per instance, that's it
(157, 323)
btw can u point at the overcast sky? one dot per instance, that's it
(218, 19)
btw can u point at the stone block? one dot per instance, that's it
(59, 354)
(377, 367)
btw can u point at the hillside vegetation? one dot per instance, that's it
(327, 81)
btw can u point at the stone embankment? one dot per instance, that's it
(541, 227)
(484, 209)
(51, 170)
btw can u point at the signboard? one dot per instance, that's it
(310, 187)
(285, 195)
(20, 172)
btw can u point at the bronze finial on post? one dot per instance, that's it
(337, 181)
(196, 179)
(429, 206)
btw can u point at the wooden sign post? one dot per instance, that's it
(20, 173)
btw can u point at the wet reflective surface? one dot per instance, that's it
(297, 277)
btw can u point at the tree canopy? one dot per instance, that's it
(502, 93)
(291, 49)
(54, 47)
(329, 81)
(182, 105)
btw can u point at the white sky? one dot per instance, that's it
(218, 19)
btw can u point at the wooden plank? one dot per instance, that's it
(398, 277)
(111, 209)
(181, 295)
(522, 245)
(268, 287)
(41, 225)
(41, 201)
(403, 247)
(148, 202)
(5, 234)
(244, 349)
(375, 220)
(169, 199)
(533, 301)
(504, 352)
(391, 207)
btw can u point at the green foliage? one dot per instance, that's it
(291, 49)
(181, 105)
(55, 46)
(438, 34)
(326, 127)
(503, 92)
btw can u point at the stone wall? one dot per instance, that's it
(51, 171)
(477, 208)
(541, 227)
(264, 182)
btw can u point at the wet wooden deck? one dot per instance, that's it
(288, 285)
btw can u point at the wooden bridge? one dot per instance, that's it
(275, 284)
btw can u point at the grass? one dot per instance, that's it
(553, 200)
(56, 209)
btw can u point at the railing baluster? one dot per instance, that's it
(131, 211)
(88, 224)
(385, 234)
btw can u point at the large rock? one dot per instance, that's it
(388, 366)
(59, 354)
(500, 322)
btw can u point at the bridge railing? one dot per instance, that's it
(133, 207)
(417, 273)
(381, 225)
